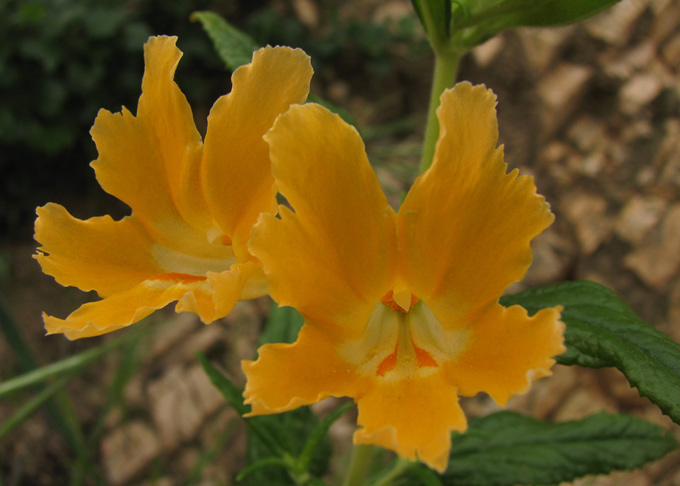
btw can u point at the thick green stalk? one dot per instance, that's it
(445, 72)
(360, 466)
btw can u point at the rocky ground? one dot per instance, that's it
(592, 111)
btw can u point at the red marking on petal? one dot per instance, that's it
(225, 240)
(423, 357)
(179, 277)
(389, 363)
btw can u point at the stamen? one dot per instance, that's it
(388, 300)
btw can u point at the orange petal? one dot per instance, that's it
(211, 298)
(125, 308)
(506, 350)
(96, 254)
(286, 376)
(243, 281)
(237, 172)
(149, 161)
(413, 417)
(465, 225)
(332, 256)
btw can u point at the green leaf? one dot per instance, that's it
(482, 19)
(293, 431)
(281, 436)
(506, 449)
(234, 46)
(603, 331)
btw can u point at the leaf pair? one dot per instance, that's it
(467, 23)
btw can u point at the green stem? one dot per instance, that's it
(445, 72)
(359, 466)
(398, 469)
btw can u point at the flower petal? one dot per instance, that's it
(211, 298)
(413, 417)
(332, 257)
(465, 225)
(236, 172)
(286, 376)
(125, 308)
(152, 161)
(112, 256)
(243, 281)
(506, 350)
(97, 254)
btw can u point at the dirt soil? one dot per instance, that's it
(592, 111)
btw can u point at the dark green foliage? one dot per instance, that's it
(350, 45)
(507, 449)
(60, 62)
(602, 331)
(63, 60)
(288, 448)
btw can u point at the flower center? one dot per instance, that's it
(402, 338)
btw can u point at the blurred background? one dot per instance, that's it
(592, 111)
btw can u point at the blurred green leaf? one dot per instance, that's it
(68, 365)
(234, 46)
(421, 475)
(263, 466)
(344, 114)
(135, 34)
(603, 331)
(103, 22)
(33, 405)
(128, 365)
(507, 449)
(58, 406)
(283, 325)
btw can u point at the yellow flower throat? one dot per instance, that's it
(403, 339)
(405, 349)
